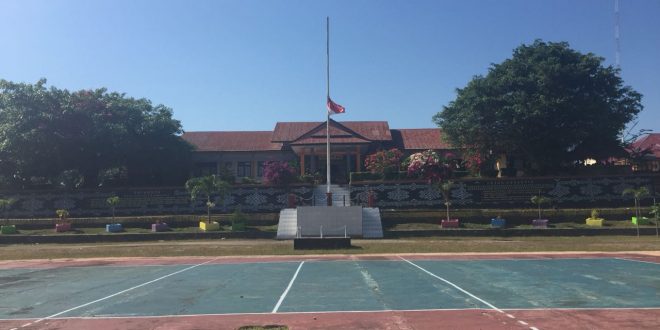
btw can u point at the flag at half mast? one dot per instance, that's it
(334, 108)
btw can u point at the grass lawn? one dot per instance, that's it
(230, 247)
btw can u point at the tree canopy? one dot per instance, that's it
(50, 136)
(548, 104)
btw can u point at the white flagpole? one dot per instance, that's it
(327, 123)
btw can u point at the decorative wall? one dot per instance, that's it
(146, 201)
(508, 193)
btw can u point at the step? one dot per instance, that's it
(287, 226)
(372, 226)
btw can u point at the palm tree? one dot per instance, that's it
(655, 210)
(445, 189)
(207, 186)
(540, 200)
(113, 202)
(638, 194)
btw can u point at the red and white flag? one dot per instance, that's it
(334, 107)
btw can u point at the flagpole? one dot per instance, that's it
(327, 122)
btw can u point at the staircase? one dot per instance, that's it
(341, 196)
(288, 224)
(371, 224)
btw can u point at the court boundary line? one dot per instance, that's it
(332, 312)
(288, 287)
(124, 291)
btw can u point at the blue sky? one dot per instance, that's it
(244, 65)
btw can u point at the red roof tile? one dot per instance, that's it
(419, 138)
(370, 130)
(650, 141)
(232, 141)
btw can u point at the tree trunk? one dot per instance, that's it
(447, 203)
(637, 214)
(208, 209)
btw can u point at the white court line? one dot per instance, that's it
(123, 291)
(462, 290)
(642, 261)
(454, 285)
(286, 291)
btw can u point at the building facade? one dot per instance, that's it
(243, 153)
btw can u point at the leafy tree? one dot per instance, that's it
(638, 194)
(113, 202)
(69, 139)
(206, 186)
(548, 104)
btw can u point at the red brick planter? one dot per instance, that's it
(62, 227)
(159, 227)
(451, 223)
(540, 223)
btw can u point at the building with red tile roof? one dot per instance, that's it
(648, 146)
(243, 153)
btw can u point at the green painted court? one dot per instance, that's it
(389, 284)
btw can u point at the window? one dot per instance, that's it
(204, 169)
(243, 169)
(260, 169)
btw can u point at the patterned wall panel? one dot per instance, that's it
(507, 193)
(147, 201)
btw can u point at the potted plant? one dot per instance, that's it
(445, 189)
(207, 186)
(497, 222)
(113, 227)
(5, 204)
(63, 224)
(595, 220)
(638, 194)
(540, 200)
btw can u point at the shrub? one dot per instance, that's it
(384, 161)
(429, 166)
(238, 220)
(595, 214)
(248, 180)
(279, 173)
(365, 176)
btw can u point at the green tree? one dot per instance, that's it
(539, 200)
(445, 189)
(548, 104)
(113, 202)
(206, 186)
(69, 139)
(5, 204)
(655, 211)
(638, 194)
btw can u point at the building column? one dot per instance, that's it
(302, 162)
(357, 160)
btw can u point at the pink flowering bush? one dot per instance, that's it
(429, 165)
(384, 161)
(279, 173)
